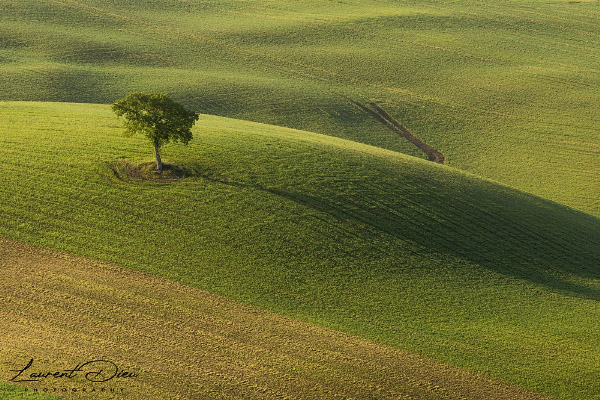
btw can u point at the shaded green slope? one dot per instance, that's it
(356, 238)
(507, 91)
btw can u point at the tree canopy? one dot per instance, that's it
(158, 117)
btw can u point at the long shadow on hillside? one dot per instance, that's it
(503, 230)
(508, 232)
(524, 248)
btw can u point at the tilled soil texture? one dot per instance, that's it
(183, 343)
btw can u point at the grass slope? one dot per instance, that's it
(356, 238)
(187, 344)
(509, 91)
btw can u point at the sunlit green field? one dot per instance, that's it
(360, 239)
(315, 210)
(509, 90)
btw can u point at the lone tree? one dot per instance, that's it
(157, 117)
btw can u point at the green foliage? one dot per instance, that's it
(356, 238)
(156, 116)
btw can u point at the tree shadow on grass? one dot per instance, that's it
(506, 231)
(537, 241)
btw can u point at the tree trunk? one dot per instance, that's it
(159, 164)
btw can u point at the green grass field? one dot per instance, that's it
(356, 238)
(297, 201)
(507, 91)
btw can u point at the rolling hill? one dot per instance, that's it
(298, 244)
(506, 91)
(359, 239)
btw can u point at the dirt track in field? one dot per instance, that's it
(183, 343)
(386, 119)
